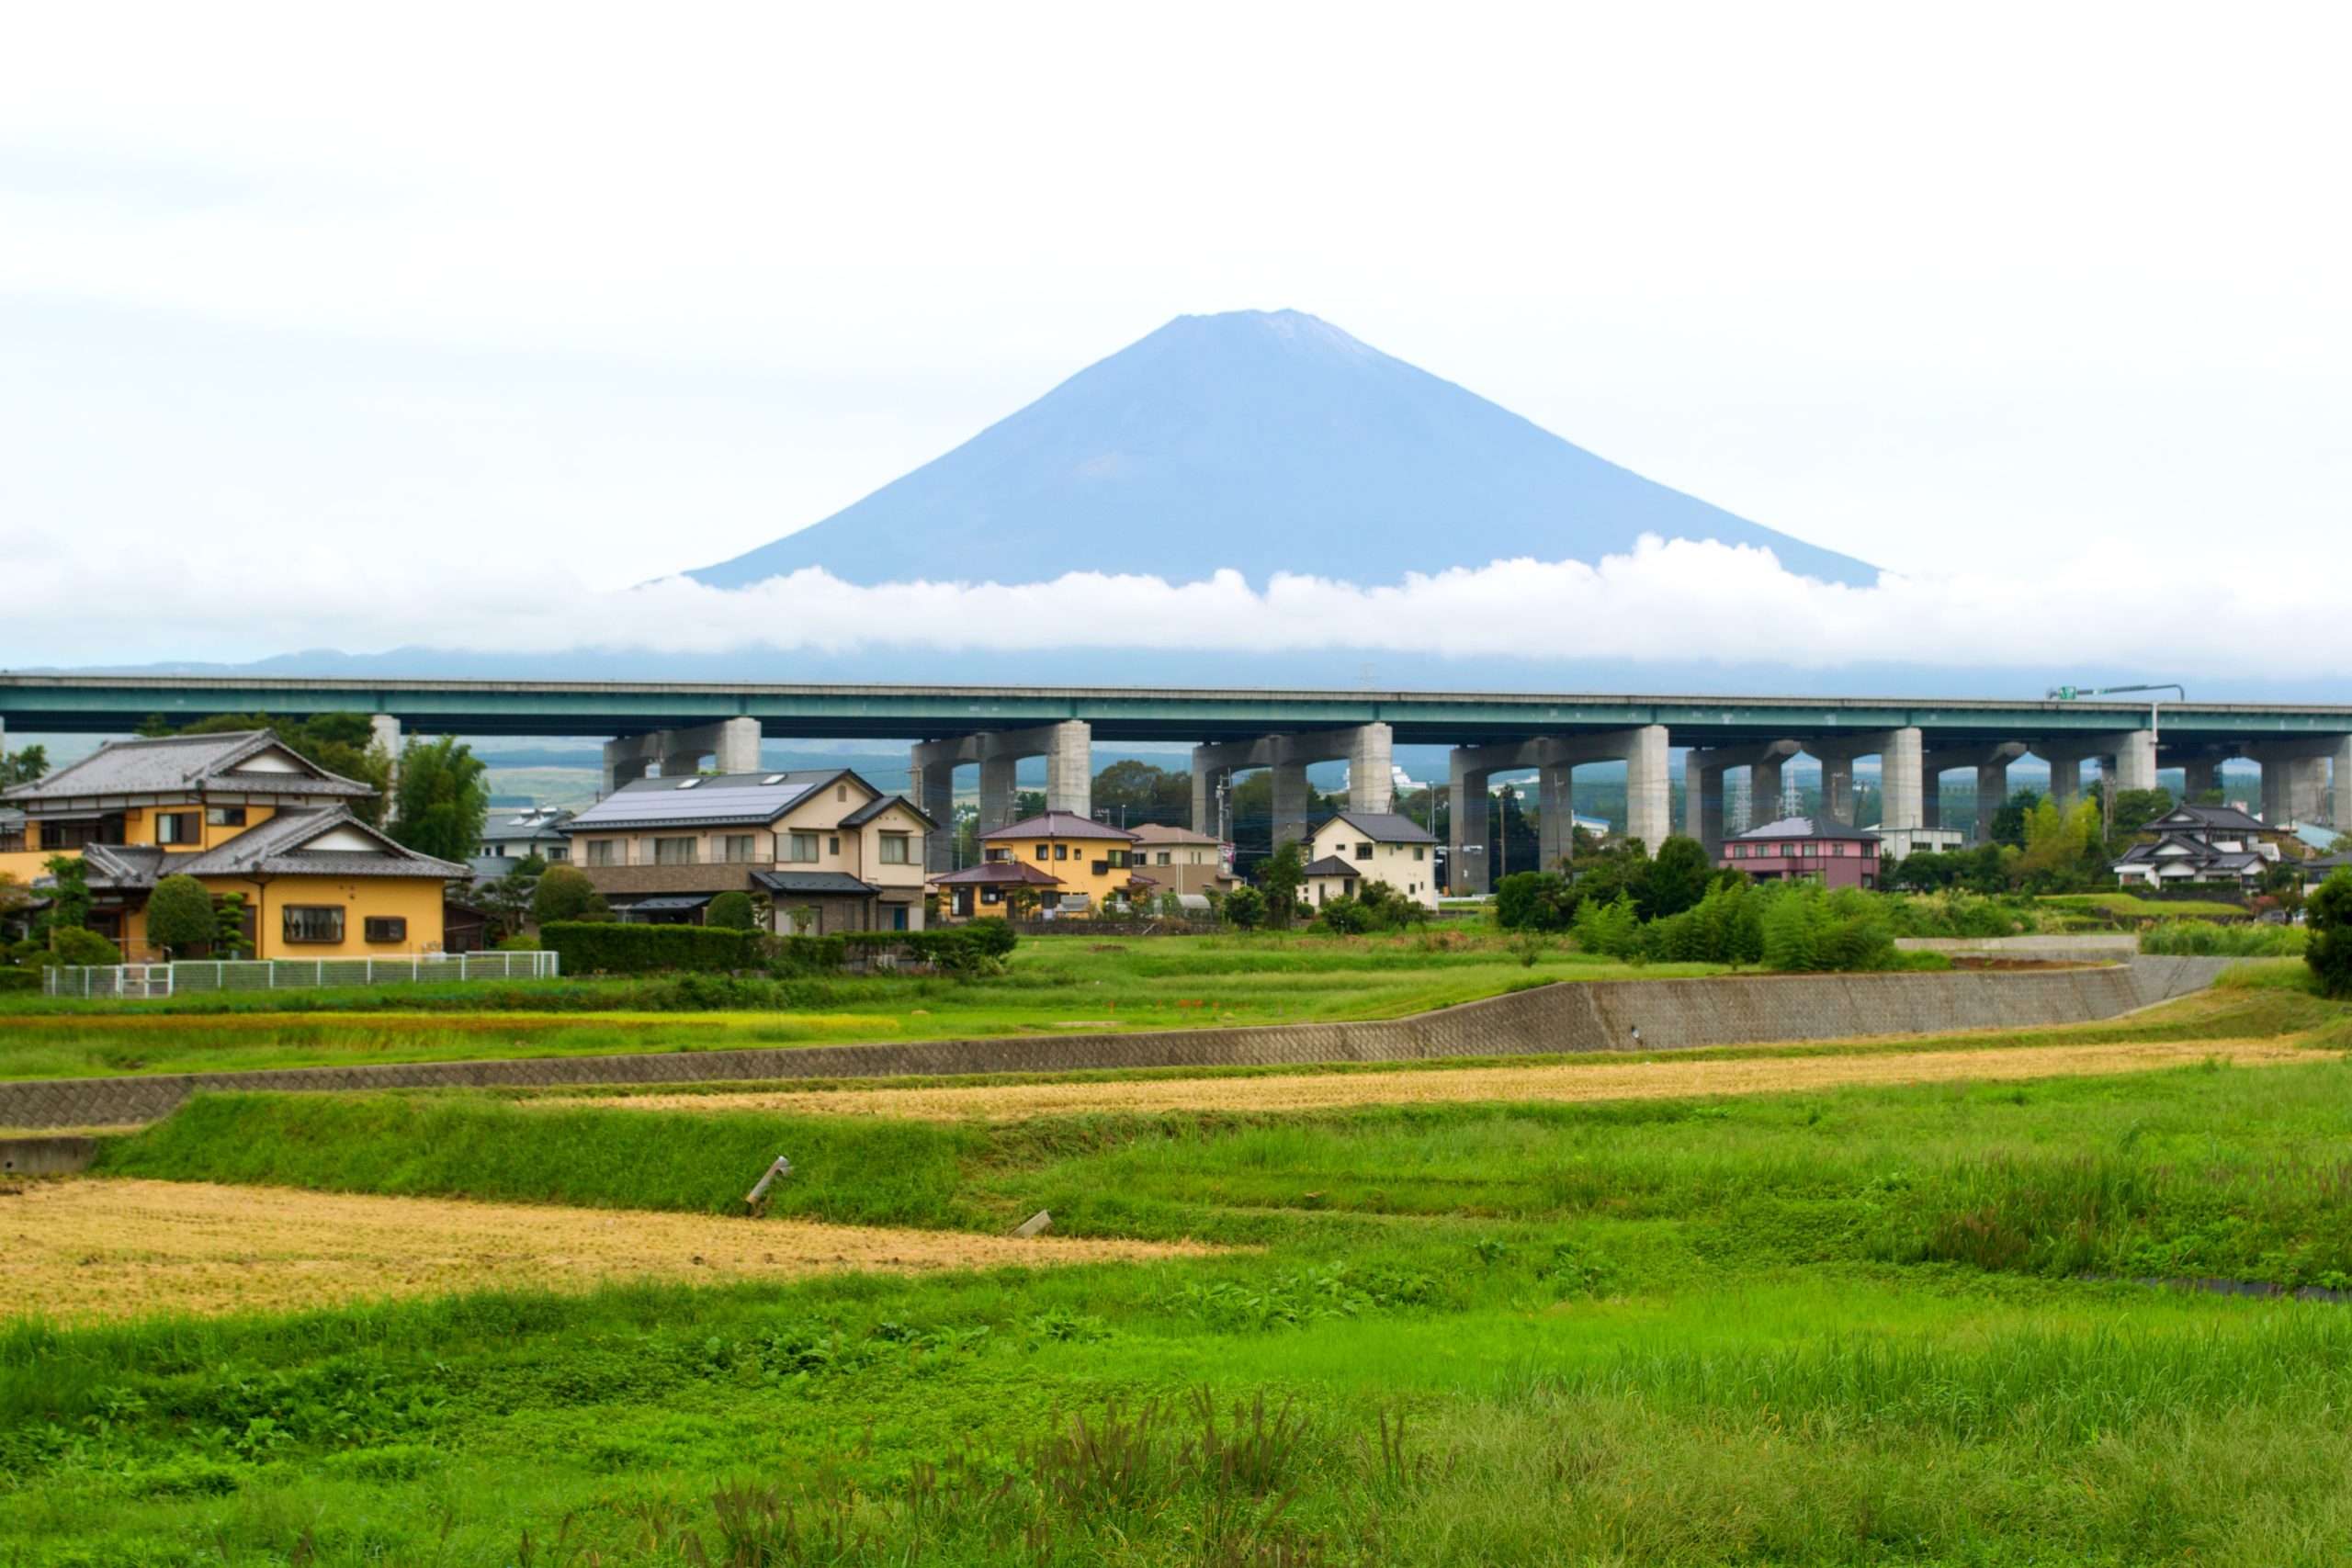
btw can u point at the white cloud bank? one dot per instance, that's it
(1677, 600)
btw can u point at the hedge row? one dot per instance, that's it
(608, 947)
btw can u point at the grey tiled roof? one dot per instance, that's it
(276, 848)
(1332, 865)
(1158, 833)
(2212, 818)
(174, 763)
(1805, 828)
(1382, 827)
(1059, 824)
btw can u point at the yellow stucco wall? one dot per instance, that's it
(1076, 867)
(416, 899)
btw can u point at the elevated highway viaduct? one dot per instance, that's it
(2304, 750)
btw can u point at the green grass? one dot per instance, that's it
(1053, 985)
(1847, 1327)
(2130, 906)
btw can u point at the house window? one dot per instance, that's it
(1061, 852)
(991, 896)
(1044, 852)
(832, 843)
(1417, 849)
(1364, 852)
(673, 851)
(800, 847)
(1119, 859)
(178, 828)
(994, 853)
(386, 928)
(841, 791)
(600, 852)
(314, 922)
(559, 852)
(225, 816)
(738, 847)
(1164, 857)
(12, 838)
(894, 849)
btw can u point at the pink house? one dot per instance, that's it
(1812, 847)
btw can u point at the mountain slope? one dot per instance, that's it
(1263, 442)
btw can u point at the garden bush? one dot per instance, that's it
(73, 946)
(607, 947)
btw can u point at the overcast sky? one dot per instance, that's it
(323, 325)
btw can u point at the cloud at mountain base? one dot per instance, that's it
(1677, 600)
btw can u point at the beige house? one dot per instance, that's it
(1178, 860)
(828, 850)
(1357, 847)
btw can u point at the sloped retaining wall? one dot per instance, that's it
(1567, 1017)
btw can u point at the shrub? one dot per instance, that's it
(565, 893)
(20, 980)
(2328, 912)
(2205, 939)
(1245, 908)
(1534, 901)
(607, 947)
(180, 915)
(73, 946)
(732, 911)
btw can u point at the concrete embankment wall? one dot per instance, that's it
(1567, 1017)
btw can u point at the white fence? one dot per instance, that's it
(188, 976)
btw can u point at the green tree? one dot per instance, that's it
(23, 767)
(76, 948)
(510, 893)
(1282, 875)
(1679, 876)
(2327, 912)
(69, 894)
(180, 916)
(731, 910)
(1131, 791)
(1244, 908)
(2135, 808)
(442, 799)
(232, 942)
(2009, 822)
(565, 893)
(1534, 900)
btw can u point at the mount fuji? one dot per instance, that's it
(1260, 441)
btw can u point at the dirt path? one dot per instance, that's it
(82, 1249)
(1592, 1080)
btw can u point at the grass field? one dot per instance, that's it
(1054, 983)
(1804, 1323)
(2133, 907)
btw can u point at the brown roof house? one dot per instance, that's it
(828, 850)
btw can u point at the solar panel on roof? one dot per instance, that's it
(773, 779)
(688, 783)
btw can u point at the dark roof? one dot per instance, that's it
(279, 847)
(1060, 824)
(1381, 827)
(667, 901)
(178, 764)
(715, 800)
(811, 882)
(990, 872)
(1332, 865)
(2213, 818)
(880, 803)
(1806, 828)
(525, 827)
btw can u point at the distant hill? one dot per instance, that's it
(1263, 442)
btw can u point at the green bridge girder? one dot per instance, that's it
(114, 703)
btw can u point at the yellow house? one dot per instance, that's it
(1070, 864)
(244, 814)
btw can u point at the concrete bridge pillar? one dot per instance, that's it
(2066, 782)
(1468, 873)
(1372, 768)
(936, 792)
(2200, 775)
(383, 734)
(1555, 810)
(1899, 767)
(997, 792)
(2339, 795)
(1069, 767)
(2133, 763)
(1764, 785)
(1289, 802)
(628, 759)
(1649, 800)
(1992, 794)
(1702, 800)
(1836, 780)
